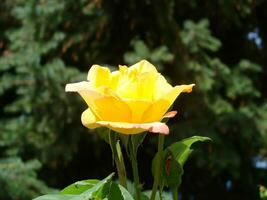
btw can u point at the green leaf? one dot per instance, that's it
(103, 191)
(94, 191)
(144, 197)
(111, 191)
(79, 186)
(164, 195)
(118, 192)
(126, 195)
(115, 192)
(173, 172)
(55, 197)
(182, 149)
(175, 157)
(81, 190)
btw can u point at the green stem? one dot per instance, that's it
(158, 167)
(133, 158)
(174, 193)
(118, 158)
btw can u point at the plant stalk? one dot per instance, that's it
(118, 158)
(158, 167)
(133, 158)
(174, 193)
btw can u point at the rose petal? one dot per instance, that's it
(143, 66)
(132, 128)
(160, 106)
(158, 127)
(89, 119)
(170, 114)
(99, 76)
(106, 107)
(138, 107)
(75, 87)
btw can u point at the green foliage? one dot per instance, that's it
(197, 37)
(180, 151)
(263, 193)
(18, 176)
(175, 157)
(173, 160)
(32, 83)
(141, 51)
(162, 196)
(79, 187)
(45, 44)
(91, 189)
(137, 140)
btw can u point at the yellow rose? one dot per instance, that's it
(130, 100)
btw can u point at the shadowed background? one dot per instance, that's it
(218, 45)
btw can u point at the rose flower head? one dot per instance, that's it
(130, 100)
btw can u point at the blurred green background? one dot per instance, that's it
(219, 45)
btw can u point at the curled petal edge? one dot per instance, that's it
(131, 128)
(75, 87)
(170, 114)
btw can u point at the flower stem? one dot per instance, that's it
(158, 167)
(174, 193)
(118, 158)
(133, 158)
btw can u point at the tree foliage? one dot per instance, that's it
(45, 44)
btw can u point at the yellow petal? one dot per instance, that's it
(146, 85)
(138, 107)
(114, 79)
(156, 111)
(127, 89)
(132, 128)
(99, 76)
(137, 85)
(103, 103)
(175, 91)
(123, 69)
(161, 86)
(143, 66)
(106, 107)
(89, 119)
